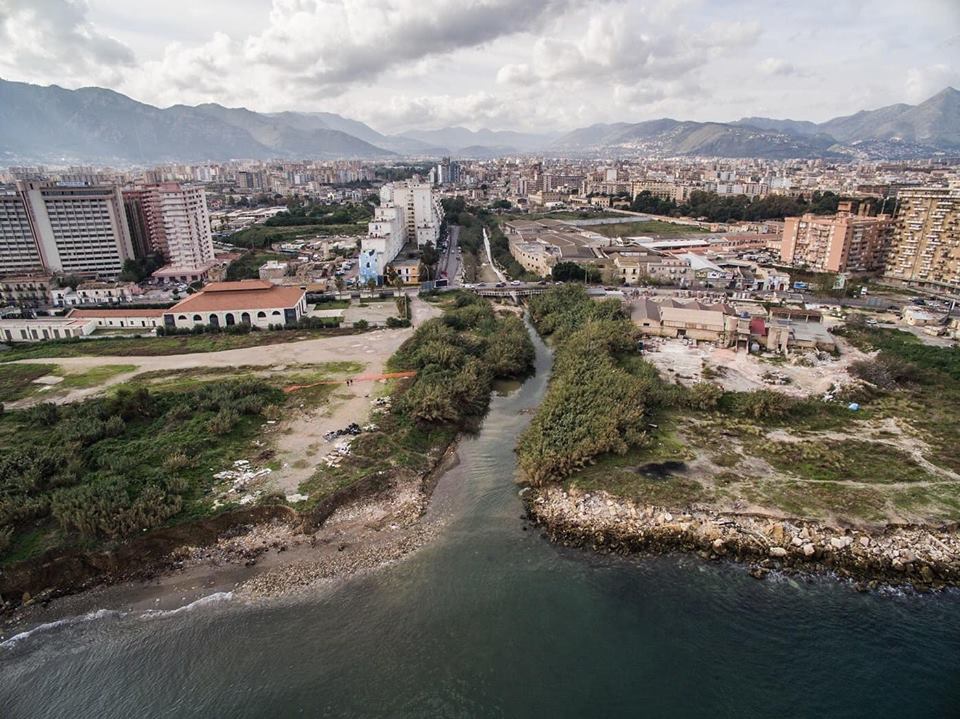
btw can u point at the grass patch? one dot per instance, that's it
(94, 376)
(17, 380)
(843, 460)
(654, 228)
(160, 346)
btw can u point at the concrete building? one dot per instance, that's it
(224, 304)
(129, 318)
(73, 230)
(925, 249)
(95, 293)
(19, 252)
(408, 270)
(409, 213)
(44, 328)
(273, 271)
(840, 243)
(26, 290)
(142, 207)
(188, 240)
(171, 219)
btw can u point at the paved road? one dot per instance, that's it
(450, 260)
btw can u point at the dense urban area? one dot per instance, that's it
(743, 349)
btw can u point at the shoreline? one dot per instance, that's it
(252, 561)
(924, 558)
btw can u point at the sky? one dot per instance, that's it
(531, 65)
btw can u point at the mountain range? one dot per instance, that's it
(95, 125)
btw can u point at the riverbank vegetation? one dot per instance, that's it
(104, 469)
(610, 422)
(456, 358)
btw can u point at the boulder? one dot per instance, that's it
(778, 552)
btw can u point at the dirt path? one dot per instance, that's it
(363, 348)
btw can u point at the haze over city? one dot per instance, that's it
(543, 65)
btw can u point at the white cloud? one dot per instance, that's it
(40, 39)
(776, 66)
(922, 82)
(527, 64)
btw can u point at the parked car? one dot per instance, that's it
(515, 283)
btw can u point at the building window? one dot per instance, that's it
(261, 314)
(231, 320)
(197, 318)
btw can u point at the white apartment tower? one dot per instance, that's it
(409, 213)
(73, 229)
(187, 237)
(19, 253)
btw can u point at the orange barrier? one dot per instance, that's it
(358, 378)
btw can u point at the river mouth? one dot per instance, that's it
(490, 620)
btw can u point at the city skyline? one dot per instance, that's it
(534, 66)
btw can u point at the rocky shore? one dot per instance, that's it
(923, 557)
(257, 553)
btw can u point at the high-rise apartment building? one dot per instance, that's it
(72, 229)
(926, 240)
(186, 226)
(142, 206)
(171, 219)
(409, 212)
(19, 251)
(840, 243)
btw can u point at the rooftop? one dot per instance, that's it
(241, 295)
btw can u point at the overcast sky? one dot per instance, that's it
(502, 64)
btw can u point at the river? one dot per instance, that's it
(490, 620)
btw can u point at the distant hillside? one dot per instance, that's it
(672, 137)
(94, 125)
(51, 124)
(456, 139)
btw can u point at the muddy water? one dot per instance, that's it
(492, 621)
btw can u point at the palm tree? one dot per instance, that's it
(338, 283)
(401, 295)
(371, 285)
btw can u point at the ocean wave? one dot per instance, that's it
(65, 622)
(202, 601)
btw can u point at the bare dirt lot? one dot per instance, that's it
(798, 375)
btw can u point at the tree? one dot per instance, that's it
(338, 283)
(401, 295)
(429, 257)
(371, 285)
(572, 272)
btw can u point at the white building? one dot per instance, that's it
(95, 293)
(409, 213)
(44, 328)
(19, 253)
(81, 230)
(188, 240)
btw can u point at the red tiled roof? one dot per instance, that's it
(238, 285)
(249, 297)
